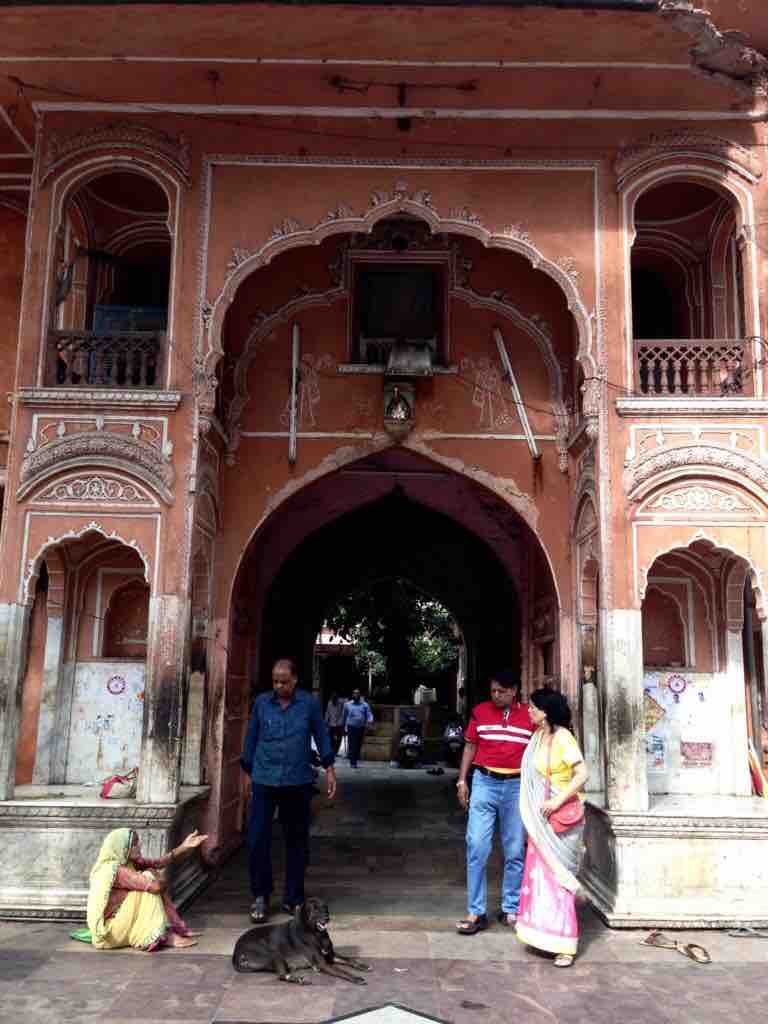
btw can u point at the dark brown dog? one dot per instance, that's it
(276, 947)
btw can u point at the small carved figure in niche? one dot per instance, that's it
(398, 408)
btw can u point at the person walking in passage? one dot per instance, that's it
(553, 775)
(276, 756)
(498, 732)
(356, 718)
(334, 719)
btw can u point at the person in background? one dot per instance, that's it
(276, 755)
(553, 775)
(334, 719)
(356, 718)
(498, 732)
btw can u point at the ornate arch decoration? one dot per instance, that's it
(125, 137)
(697, 147)
(127, 238)
(264, 326)
(32, 568)
(93, 488)
(289, 234)
(687, 648)
(652, 471)
(95, 450)
(719, 164)
(700, 535)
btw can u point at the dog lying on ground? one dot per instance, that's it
(278, 947)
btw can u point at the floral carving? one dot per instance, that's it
(696, 455)
(289, 226)
(122, 450)
(463, 215)
(94, 489)
(568, 265)
(516, 232)
(700, 499)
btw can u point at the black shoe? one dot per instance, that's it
(290, 908)
(259, 910)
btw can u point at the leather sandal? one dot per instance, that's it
(468, 927)
(503, 917)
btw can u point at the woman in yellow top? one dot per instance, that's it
(552, 774)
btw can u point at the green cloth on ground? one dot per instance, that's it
(81, 935)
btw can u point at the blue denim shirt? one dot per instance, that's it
(277, 745)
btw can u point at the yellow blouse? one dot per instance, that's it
(565, 754)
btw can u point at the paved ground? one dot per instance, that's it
(388, 858)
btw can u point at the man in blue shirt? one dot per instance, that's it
(276, 756)
(357, 715)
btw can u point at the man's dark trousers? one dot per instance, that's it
(355, 735)
(292, 804)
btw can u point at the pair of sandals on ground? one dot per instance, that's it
(472, 924)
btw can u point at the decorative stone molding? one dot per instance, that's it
(101, 490)
(100, 398)
(697, 498)
(120, 135)
(695, 408)
(383, 204)
(33, 564)
(720, 55)
(119, 451)
(687, 143)
(690, 458)
(718, 554)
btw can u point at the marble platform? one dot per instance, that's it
(50, 837)
(689, 862)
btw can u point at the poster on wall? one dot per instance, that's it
(696, 754)
(656, 754)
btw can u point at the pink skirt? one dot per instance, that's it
(546, 917)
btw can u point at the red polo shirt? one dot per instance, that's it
(501, 735)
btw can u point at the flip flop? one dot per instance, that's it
(692, 950)
(747, 933)
(467, 927)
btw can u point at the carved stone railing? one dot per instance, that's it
(120, 359)
(692, 367)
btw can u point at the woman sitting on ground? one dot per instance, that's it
(551, 776)
(128, 904)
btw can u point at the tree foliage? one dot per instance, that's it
(399, 631)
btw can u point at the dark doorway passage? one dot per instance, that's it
(390, 538)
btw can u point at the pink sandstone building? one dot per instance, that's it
(295, 294)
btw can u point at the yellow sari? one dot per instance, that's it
(140, 921)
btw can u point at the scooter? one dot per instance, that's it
(453, 742)
(411, 744)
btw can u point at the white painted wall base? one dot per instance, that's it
(50, 837)
(689, 862)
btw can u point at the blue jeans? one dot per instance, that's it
(293, 806)
(492, 798)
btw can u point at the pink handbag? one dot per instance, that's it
(120, 787)
(569, 814)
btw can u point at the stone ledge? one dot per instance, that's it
(101, 398)
(50, 836)
(693, 407)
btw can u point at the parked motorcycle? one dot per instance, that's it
(411, 744)
(453, 742)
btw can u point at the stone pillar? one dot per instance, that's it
(191, 766)
(14, 630)
(733, 738)
(47, 732)
(621, 658)
(163, 726)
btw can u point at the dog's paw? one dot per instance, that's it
(359, 981)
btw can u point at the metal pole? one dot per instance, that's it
(295, 340)
(516, 397)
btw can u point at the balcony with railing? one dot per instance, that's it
(116, 359)
(692, 367)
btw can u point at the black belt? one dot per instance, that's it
(504, 776)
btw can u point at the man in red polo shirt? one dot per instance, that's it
(498, 733)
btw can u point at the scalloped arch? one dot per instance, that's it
(32, 568)
(344, 221)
